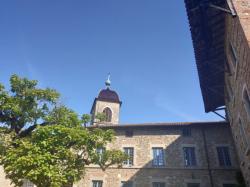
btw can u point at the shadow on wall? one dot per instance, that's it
(190, 159)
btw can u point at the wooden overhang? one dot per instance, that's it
(207, 26)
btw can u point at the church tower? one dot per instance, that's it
(107, 102)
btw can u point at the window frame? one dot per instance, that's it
(27, 183)
(108, 114)
(243, 136)
(163, 157)
(224, 164)
(229, 91)
(100, 154)
(126, 163)
(247, 108)
(129, 133)
(193, 183)
(233, 55)
(123, 182)
(101, 181)
(158, 183)
(186, 131)
(234, 184)
(192, 164)
(233, 59)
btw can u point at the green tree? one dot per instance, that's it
(101, 117)
(86, 119)
(45, 143)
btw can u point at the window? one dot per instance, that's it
(27, 183)
(229, 185)
(97, 183)
(246, 101)
(229, 91)
(130, 152)
(186, 131)
(158, 157)
(233, 55)
(189, 156)
(193, 185)
(100, 152)
(129, 133)
(108, 114)
(245, 146)
(158, 184)
(126, 184)
(223, 156)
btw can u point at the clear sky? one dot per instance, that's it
(71, 45)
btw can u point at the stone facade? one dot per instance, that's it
(3, 181)
(237, 81)
(204, 138)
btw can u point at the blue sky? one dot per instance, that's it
(72, 46)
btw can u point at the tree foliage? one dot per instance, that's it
(86, 119)
(101, 117)
(46, 143)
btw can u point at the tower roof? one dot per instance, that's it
(108, 95)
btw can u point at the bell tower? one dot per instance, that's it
(108, 103)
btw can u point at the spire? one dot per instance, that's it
(108, 82)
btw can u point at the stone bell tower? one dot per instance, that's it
(107, 102)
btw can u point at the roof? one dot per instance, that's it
(156, 125)
(108, 95)
(207, 26)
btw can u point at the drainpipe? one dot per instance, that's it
(206, 153)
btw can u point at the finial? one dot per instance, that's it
(108, 82)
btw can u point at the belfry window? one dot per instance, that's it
(108, 114)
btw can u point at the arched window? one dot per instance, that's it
(108, 114)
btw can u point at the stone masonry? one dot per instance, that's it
(237, 80)
(205, 139)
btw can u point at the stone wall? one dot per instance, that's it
(174, 173)
(145, 177)
(101, 105)
(237, 79)
(3, 181)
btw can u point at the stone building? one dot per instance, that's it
(191, 154)
(221, 38)
(186, 154)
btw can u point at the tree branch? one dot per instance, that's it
(28, 131)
